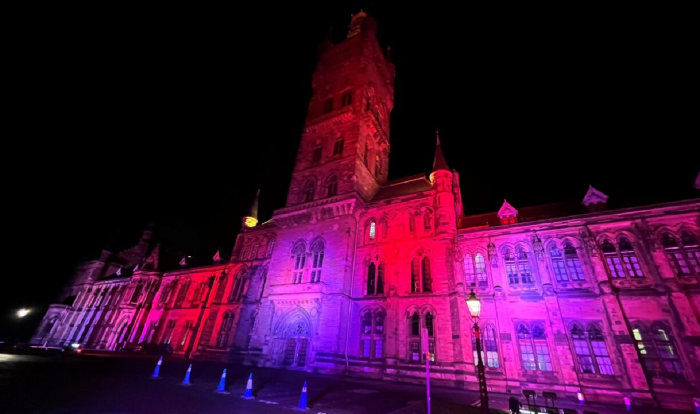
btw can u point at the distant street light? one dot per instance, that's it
(23, 312)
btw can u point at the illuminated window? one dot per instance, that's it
(622, 262)
(469, 270)
(347, 99)
(338, 146)
(309, 191)
(332, 186)
(421, 279)
(489, 346)
(299, 258)
(372, 230)
(591, 351)
(657, 351)
(328, 106)
(317, 253)
(372, 334)
(415, 348)
(566, 266)
(534, 350)
(685, 258)
(481, 276)
(318, 152)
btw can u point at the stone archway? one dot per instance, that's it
(293, 340)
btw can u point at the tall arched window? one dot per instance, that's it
(372, 230)
(566, 265)
(384, 228)
(591, 351)
(657, 351)
(534, 350)
(684, 257)
(427, 220)
(332, 186)
(414, 341)
(299, 258)
(309, 191)
(182, 293)
(317, 253)
(372, 334)
(226, 325)
(421, 279)
(431, 335)
(622, 262)
(489, 346)
(375, 278)
(480, 265)
(238, 286)
(469, 270)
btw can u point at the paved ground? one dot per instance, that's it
(117, 385)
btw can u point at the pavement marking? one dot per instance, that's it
(477, 403)
(268, 402)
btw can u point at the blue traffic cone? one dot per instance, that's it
(156, 372)
(186, 381)
(302, 400)
(222, 384)
(248, 394)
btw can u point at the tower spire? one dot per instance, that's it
(439, 163)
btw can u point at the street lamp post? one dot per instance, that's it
(474, 306)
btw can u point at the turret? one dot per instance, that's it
(441, 179)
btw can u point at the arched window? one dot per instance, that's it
(226, 325)
(375, 278)
(657, 351)
(469, 270)
(309, 191)
(518, 267)
(427, 220)
(684, 258)
(182, 293)
(384, 227)
(421, 280)
(317, 264)
(238, 286)
(372, 230)
(534, 350)
(566, 266)
(270, 246)
(372, 334)
(299, 258)
(431, 335)
(622, 262)
(137, 293)
(332, 186)
(338, 146)
(591, 351)
(481, 276)
(489, 346)
(415, 347)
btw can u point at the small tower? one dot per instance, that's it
(507, 213)
(441, 179)
(251, 220)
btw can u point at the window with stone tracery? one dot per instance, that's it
(591, 350)
(421, 279)
(299, 258)
(684, 256)
(489, 346)
(375, 278)
(372, 333)
(518, 267)
(566, 265)
(418, 325)
(317, 260)
(621, 260)
(657, 350)
(534, 349)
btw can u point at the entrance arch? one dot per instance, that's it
(293, 337)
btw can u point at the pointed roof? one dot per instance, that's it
(507, 210)
(217, 257)
(151, 262)
(594, 196)
(439, 163)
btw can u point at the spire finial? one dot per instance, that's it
(439, 162)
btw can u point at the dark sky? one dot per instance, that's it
(123, 117)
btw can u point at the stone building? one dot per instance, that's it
(347, 275)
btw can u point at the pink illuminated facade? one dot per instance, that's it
(346, 275)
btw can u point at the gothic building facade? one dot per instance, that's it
(351, 272)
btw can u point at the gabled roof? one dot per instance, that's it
(404, 186)
(594, 196)
(507, 210)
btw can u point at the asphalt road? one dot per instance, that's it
(118, 385)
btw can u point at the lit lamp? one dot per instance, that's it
(23, 312)
(474, 306)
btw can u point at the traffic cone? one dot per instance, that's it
(221, 389)
(302, 400)
(248, 394)
(186, 381)
(156, 372)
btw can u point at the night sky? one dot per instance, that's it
(126, 117)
